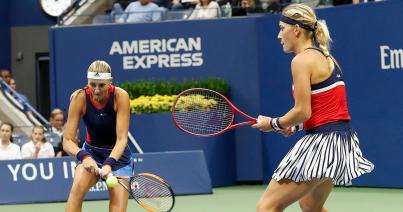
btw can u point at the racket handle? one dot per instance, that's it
(100, 171)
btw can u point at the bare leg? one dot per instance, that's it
(118, 199)
(279, 195)
(314, 200)
(83, 180)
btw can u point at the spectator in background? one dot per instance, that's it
(56, 120)
(8, 150)
(251, 6)
(5, 75)
(20, 97)
(206, 9)
(38, 147)
(141, 11)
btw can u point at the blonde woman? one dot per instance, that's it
(329, 153)
(56, 120)
(38, 147)
(105, 112)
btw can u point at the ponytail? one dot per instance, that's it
(323, 37)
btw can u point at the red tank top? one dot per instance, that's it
(328, 101)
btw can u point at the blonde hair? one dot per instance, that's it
(38, 127)
(307, 16)
(100, 66)
(55, 112)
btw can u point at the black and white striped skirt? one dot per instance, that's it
(331, 151)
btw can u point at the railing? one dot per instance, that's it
(70, 11)
(27, 107)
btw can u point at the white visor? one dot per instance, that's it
(100, 76)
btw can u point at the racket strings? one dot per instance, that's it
(203, 112)
(151, 193)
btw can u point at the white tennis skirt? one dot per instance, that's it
(325, 153)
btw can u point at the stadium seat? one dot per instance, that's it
(52, 138)
(102, 19)
(20, 139)
(178, 14)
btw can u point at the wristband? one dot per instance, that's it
(82, 154)
(275, 124)
(109, 161)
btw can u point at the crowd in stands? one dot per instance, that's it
(7, 77)
(37, 146)
(43, 142)
(125, 11)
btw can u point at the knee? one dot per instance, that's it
(309, 207)
(78, 191)
(269, 206)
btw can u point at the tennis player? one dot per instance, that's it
(105, 111)
(329, 153)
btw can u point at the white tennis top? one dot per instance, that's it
(28, 150)
(10, 152)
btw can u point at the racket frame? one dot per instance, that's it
(153, 177)
(233, 108)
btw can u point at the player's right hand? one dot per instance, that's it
(90, 165)
(262, 124)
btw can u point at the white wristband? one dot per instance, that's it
(275, 125)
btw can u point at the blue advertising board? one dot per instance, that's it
(49, 180)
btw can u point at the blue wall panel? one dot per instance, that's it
(157, 133)
(28, 13)
(18, 13)
(4, 35)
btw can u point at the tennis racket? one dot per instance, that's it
(150, 191)
(204, 112)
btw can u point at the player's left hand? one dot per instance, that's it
(289, 131)
(104, 172)
(263, 124)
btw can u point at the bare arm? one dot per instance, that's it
(301, 74)
(77, 104)
(122, 105)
